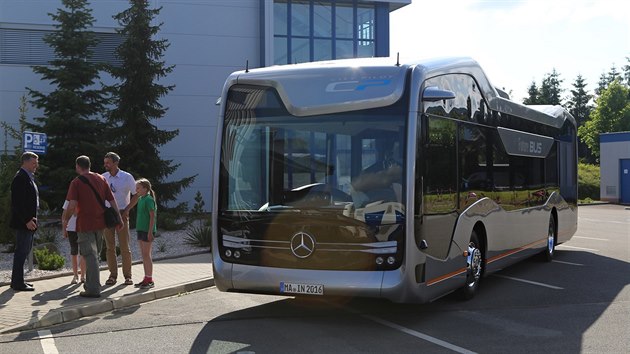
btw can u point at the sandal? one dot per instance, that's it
(128, 281)
(110, 281)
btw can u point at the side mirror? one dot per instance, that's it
(434, 93)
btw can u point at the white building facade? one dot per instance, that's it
(209, 39)
(614, 164)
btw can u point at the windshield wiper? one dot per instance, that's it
(267, 207)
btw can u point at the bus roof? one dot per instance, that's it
(353, 84)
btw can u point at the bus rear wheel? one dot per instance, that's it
(551, 240)
(474, 268)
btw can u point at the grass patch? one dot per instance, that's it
(588, 182)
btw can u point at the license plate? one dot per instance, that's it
(297, 288)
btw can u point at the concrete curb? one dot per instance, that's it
(71, 313)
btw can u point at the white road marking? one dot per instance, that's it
(591, 238)
(47, 341)
(606, 221)
(530, 282)
(578, 248)
(419, 335)
(569, 263)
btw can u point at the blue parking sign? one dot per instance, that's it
(35, 142)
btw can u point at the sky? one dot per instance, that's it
(518, 41)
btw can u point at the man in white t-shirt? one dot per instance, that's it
(123, 186)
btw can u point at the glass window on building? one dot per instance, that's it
(365, 31)
(300, 50)
(307, 30)
(281, 18)
(322, 19)
(344, 21)
(299, 12)
(322, 49)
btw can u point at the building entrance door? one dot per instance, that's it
(624, 179)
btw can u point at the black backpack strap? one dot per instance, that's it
(98, 197)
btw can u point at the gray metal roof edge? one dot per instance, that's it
(550, 115)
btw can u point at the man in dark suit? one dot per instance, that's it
(24, 205)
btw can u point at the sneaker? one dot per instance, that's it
(147, 285)
(82, 280)
(75, 280)
(137, 285)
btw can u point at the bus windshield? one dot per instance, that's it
(350, 162)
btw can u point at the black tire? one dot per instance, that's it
(475, 264)
(552, 238)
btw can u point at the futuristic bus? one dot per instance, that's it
(371, 178)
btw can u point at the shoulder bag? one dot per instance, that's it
(112, 217)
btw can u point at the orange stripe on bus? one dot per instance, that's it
(493, 259)
(446, 276)
(516, 250)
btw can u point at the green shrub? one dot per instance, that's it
(199, 234)
(588, 181)
(161, 246)
(47, 260)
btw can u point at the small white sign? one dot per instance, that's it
(625, 171)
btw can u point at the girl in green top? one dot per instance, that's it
(146, 227)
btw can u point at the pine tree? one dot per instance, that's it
(626, 72)
(613, 74)
(136, 100)
(606, 79)
(72, 111)
(550, 90)
(533, 93)
(602, 84)
(579, 101)
(580, 108)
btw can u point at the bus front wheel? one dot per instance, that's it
(474, 269)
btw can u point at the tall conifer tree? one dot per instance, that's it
(626, 72)
(72, 110)
(550, 89)
(136, 101)
(580, 108)
(533, 93)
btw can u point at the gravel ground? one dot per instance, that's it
(167, 244)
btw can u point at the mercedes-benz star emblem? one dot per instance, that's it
(302, 245)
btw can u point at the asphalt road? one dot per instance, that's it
(580, 303)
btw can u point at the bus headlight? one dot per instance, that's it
(228, 253)
(391, 260)
(379, 260)
(237, 254)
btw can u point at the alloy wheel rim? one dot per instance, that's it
(550, 240)
(474, 265)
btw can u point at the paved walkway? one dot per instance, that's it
(55, 301)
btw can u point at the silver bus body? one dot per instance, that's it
(434, 256)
